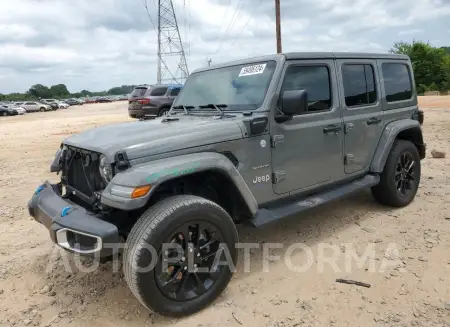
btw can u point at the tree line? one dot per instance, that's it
(431, 67)
(60, 91)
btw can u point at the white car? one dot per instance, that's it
(63, 105)
(20, 110)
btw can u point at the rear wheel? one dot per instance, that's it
(401, 176)
(163, 111)
(4, 113)
(189, 274)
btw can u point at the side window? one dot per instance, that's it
(397, 82)
(174, 92)
(158, 91)
(359, 85)
(315, 80)
(30, 103)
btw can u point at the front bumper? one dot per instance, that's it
(71, 226)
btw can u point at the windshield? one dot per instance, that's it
(241, 87)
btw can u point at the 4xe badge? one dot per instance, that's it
(261, 179)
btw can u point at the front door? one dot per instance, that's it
(362, 112)
(307, 150)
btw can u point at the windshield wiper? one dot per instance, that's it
(185, 108)
(215, 106)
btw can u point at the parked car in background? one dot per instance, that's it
(6, 110)
(20, 110)
(89, 100)
(52, 102)
(103, 100)
(73, 102)
(152, 100)
(63, 105)
(32, 106)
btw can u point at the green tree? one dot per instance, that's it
(59, 91)
(428, 63)
(39, 91)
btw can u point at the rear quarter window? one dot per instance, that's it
(158, 91)
(397, 82)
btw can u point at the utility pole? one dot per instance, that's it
(278, 25)
(209, 62)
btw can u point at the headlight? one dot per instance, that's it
(105, 169)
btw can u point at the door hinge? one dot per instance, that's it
(349, 159)
(278, 176)
(348, 127)
(276, 139)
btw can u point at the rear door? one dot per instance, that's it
(361, 110)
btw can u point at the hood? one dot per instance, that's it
(145, 138)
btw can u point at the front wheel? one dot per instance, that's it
(42, 109)
(401, 175)
(180, 255)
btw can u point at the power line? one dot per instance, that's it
(144, 2)
(237, 11)
(223, 18)
(248, 21)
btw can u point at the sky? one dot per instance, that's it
(99, 44)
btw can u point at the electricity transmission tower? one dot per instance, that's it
(172, 65)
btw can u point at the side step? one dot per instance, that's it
(266, 216)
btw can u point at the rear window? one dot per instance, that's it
(138, 92)
(158, 91)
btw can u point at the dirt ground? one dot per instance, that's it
(412, 244)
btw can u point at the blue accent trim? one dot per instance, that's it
(65, 211)
(39, 189)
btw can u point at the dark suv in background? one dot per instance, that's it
(152, 100)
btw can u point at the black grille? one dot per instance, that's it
(81, 171)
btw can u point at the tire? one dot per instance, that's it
(42, 109)
(163, 111)
(387, 192)
(4, 114)
(155, 227)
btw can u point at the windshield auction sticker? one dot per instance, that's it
(252, 70)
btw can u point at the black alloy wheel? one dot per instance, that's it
(189, 267)
(400, 178)
(405, 174)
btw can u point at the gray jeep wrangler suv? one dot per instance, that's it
(252, 141)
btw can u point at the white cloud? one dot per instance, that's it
(100, 44)
(411, 31)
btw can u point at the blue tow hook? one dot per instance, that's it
(65, 211)
(39, 189)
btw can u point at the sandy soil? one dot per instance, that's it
(413, 244)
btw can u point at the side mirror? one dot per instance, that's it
(294, 102)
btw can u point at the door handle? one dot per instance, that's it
(332, 129)
(373, 121)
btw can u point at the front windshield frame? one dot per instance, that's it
(270, 67)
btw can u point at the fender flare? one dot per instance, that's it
(118, 192)
(387, 139)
